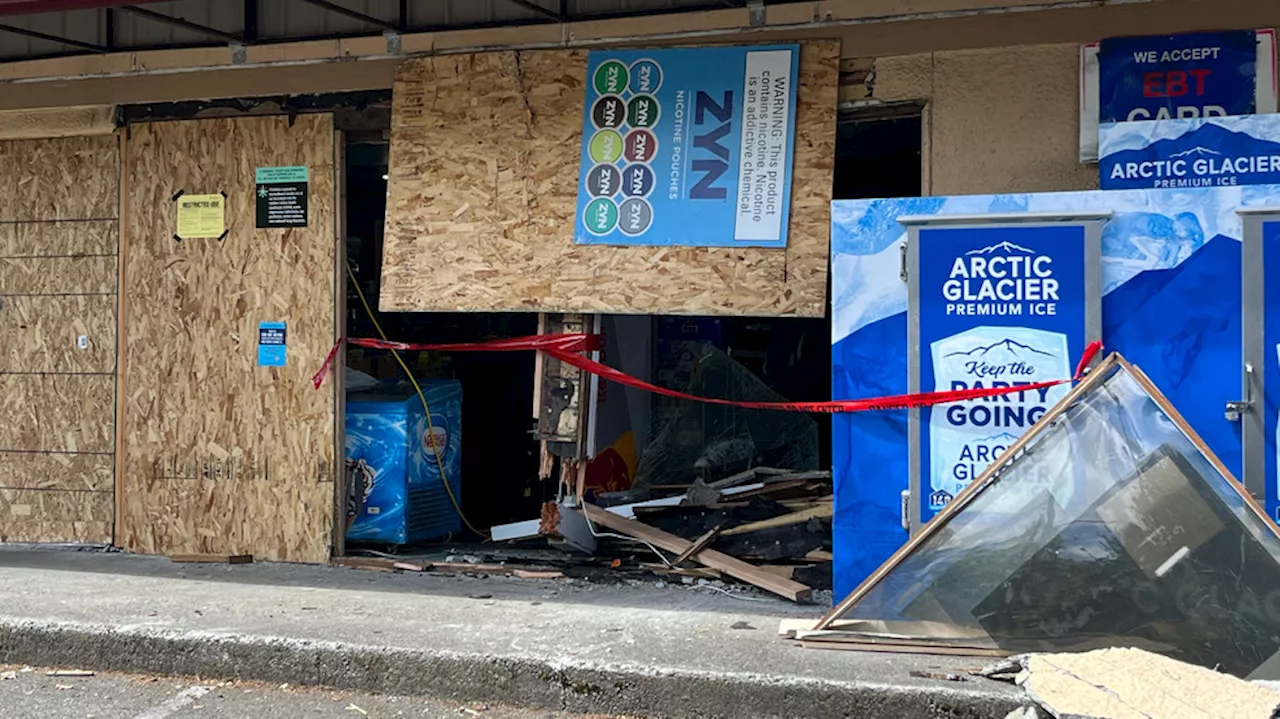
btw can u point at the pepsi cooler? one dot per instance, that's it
(387, 428)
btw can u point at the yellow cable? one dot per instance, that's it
(431, 430)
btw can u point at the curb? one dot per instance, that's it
(558, 685)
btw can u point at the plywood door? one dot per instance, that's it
(222, 455)
(59, 201)
(484, 185)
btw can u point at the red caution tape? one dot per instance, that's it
(565, 343)
(567, 349)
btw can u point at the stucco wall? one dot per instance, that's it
(999, 120)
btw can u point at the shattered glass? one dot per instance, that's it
(1111, 529)
(692, 440)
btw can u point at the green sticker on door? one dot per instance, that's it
(281, 195)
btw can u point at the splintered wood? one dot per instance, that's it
(718, 561)
(58, 247)
(483, 189)
(224, 456)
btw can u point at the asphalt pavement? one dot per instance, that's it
(31, 693)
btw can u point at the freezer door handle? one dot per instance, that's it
(906, 510)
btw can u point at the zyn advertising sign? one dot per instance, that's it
(688, 147)
(1195, 75)
(1213, 152)
(996, 307)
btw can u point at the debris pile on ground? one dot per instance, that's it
(1124, 683)
(766, 527)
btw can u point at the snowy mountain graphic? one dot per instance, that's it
(1011, 346)
(998, 437)
(1195, 145)
(1197, 150)
(1000, 247)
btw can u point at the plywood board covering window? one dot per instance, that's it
(224, 456)
(58, 247)
(483, 189)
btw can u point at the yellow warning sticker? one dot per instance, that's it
(201, 216)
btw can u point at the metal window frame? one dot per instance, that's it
(1251, 408)
(1092, 223)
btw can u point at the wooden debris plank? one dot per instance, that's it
(809, 475)
(213, 558)
(849, 646)
(769, 489)
(819, 555)
(820, 512)
(796, 505)
(787, 571)
(739, 478)
(526, 574)
(732, 566)
(698, 545)
(468, 567)
(695, 572)
(375, 563)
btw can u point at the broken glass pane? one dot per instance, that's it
(1112, 528)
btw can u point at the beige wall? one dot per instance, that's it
(1003, 120)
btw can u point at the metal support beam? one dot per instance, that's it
(535, 7)
(179, 22)
(109, 28)
(32, 7)
(339, 10)
(52, 38)
(250, 22)
(403, 17)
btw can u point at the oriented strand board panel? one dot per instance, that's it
(58, 246)
(76, 472)
(87, 275)
(33, 515)
(74, 178)
(58, 333)
(57, 413)
(224, 456)
(68, 238)
(483, 191)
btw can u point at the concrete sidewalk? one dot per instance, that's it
(548, 644)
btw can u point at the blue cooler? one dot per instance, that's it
(387, 428)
